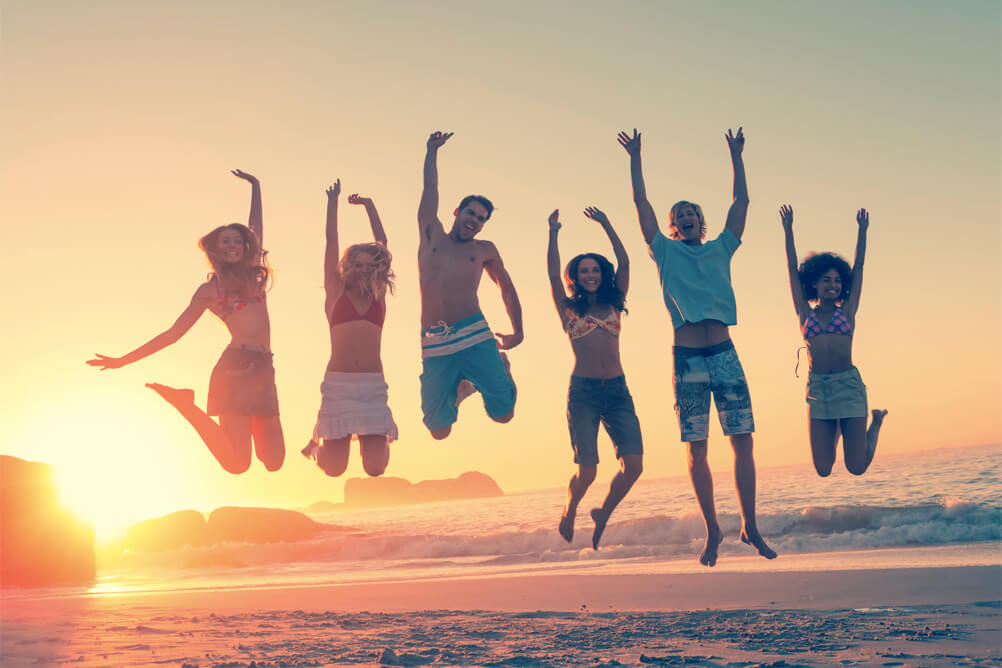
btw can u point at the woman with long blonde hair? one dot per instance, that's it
(354, 393)
(242, 389)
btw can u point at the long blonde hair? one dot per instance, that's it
(382, 276)
(248, 276)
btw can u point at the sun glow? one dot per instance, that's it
(102, 456)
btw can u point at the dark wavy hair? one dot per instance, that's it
(817, 264)
(607, 292)
(482, 200)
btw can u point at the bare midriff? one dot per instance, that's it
(355, 347)
(249, 326)
(596, 355)
(450, 276)
(829, 353)
(702, 334)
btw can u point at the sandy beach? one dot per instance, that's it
(878, 617)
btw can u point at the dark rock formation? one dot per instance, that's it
(368, 492)
(185, 527)
(41, 543)
(259, 525)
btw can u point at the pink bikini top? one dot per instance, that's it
(234, 301)
(578, 325)
(839, 324)
(344, 311)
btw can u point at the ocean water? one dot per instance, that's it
(940, 507)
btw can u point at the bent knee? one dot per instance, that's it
(505, 418)
(236, 468)
(273, 464)
(374, 469)
(824, 470)
(439, 434)
(855, 468)
(586, 475)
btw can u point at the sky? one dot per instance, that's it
(120, 122)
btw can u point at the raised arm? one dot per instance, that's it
(495, 269)
(428, 221)
(199, 302)
(738, 212)
(333, 284)
(799, 303)
(622, 259)
(852, 303)
(553, 267)
(374, 222)
(255, 219)
(645, 212)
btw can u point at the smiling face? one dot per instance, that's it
(360, 266)
(686, 222)
(589, 276)
(231, 246)
(470, 220)
(829, 285)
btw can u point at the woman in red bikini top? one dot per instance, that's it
(836, 396)
(242, 386)
(354, 392)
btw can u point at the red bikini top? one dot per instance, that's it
(344, 311)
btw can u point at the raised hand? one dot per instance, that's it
(106, 362)
(355, 199)
(555, 220)
(438, 138)
(735, 142)
(240, 174)
(631, 144)
(863, 218)
(786, 216)
(596, 215)
(335, 190)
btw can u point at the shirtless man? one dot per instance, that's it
(456, 343)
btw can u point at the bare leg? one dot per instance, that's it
(575, 492)
(464, 390)
(859, 443)
(332, 456)
(375, 453)
(269, 442)
(229, 441)
(824, 434)
(702, 485)
(630, 468)
(744, 480)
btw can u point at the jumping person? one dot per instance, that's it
(242, 386)
(590, 314)
(696, 282)
(836, 396)
(354, 392)
(456, 343)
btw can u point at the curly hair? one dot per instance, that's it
(380, 279)
(675, 208)
(248, 276)
(816, 265)
(607, 292)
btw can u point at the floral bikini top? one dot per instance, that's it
(229, 302)
(582, 325)
(839, 324)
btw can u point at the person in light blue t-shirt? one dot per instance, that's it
(696, 281)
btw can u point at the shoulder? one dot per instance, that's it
(209, 290)
(660, 244)
(728, 240)
(487, 249)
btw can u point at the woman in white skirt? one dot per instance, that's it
(354, 392)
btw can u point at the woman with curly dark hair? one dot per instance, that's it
(242, 386)
(591, 317)
(836, 396)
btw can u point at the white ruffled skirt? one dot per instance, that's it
(353, 404)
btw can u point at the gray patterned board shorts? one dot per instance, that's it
(716, 370)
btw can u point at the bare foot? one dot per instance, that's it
(566, 526)
(174, 397)
(708, 557)
(311, 449)
(464, 390)
(600, 518)
(754, 538)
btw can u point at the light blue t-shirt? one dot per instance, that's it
(696, 280)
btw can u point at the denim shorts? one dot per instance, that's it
(831, 396)
(605, 400)
(716, 370)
